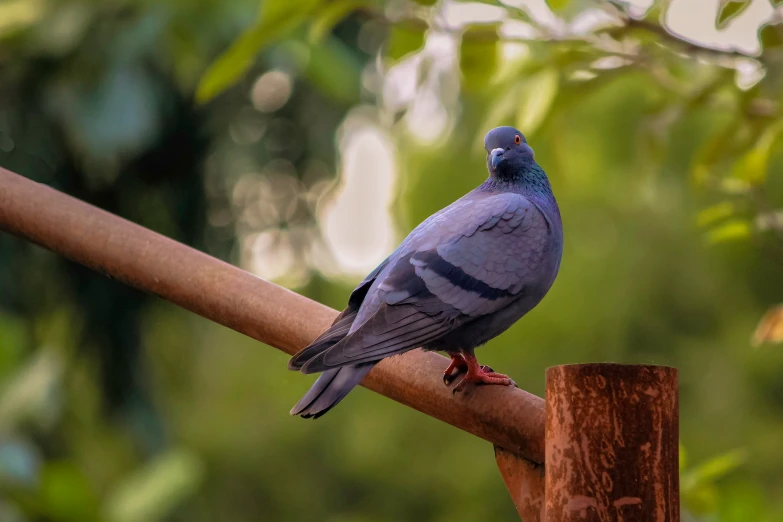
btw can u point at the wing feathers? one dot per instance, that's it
(373, 342)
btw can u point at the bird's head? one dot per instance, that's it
(507, 152)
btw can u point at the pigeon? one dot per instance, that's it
(460, 278)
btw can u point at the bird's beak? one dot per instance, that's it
(495, 157)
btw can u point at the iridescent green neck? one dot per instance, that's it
(527, 178)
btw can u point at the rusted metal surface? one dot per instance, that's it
(507, 417)
(612, 443)
(525, 481)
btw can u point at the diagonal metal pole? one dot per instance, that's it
(511, 419)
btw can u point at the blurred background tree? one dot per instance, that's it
(301, 140)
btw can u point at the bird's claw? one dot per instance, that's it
(448, 378)
(455, 368)
(486, 376)
(474, 373)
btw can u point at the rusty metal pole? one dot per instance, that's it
(525, 482)
(612, 443)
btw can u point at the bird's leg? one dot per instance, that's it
(457, 363)
(478, 374)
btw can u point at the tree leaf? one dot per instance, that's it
(478, 56)
(18, 16)
(715, 213)
(66, 494)
(752, 166)
(710, 152)
(277, 19)
(743, 501)
(701, 500)
(568, 9)
(729, 10)
(537, 95)
(403, 40)
(771, 36)
(331, 15)
(330, 66)
(558, 5)
(149, 494)
(734, 186)
(33, 392)
(730, 231)
(713, 469)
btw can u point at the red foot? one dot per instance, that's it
(480, 375)
(457, 363)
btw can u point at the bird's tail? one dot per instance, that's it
(330, 388)
(326, 340)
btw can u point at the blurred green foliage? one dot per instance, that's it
(221, 124)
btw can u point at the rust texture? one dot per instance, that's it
(525, 481)
(507, 417)
(612, 443)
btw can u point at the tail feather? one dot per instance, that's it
(333, 385)
(326, 340)
(329, 389)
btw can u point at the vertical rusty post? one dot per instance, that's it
(612, 443)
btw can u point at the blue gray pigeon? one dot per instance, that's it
(462, 277)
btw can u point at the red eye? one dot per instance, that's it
(517, 139)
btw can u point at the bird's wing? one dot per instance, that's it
(472, 259)
(342, 323)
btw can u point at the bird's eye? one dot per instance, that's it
(517, 139)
